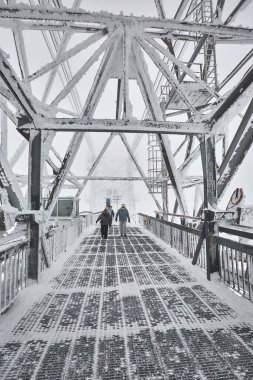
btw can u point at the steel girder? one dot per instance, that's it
(53, 14)
(117, 126)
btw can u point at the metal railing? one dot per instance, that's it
(184, 239)
(13, 271)
(15, 248)
(236, 260)
(59, 238)
(235, 257)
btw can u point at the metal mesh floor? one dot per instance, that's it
(127, 309)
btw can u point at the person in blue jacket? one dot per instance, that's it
(123, 216)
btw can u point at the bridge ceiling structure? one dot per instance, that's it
(186, 98)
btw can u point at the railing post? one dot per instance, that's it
(211, 246)
(33, 234)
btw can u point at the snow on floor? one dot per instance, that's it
(126, 308)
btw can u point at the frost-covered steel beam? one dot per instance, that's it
(8, 182)
(40, 13)
(239, 133)
(76, 78)
(128, 126)
(16, 88)
(151, 102)
(4, 132)
(102, 75)
(125, 75)
(190, 62)
(235, 153)
(90, 105)
(181, 9)
(63, 56)
(219, 8)
(56, 51)
(235, 11)
(20, 49)
(238, 67)
(235, 161)
(8, 112)
(232, 97)
(159, 7)
(23, 178)
(178, 63)
(207, 149)
(163, 67)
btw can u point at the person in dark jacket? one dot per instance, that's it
(105, 220)
(111, 212)
(123, 216)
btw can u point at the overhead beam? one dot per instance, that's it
(112, 125)
(40, 13)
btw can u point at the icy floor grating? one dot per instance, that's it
(127, 309)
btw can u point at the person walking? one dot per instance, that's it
(123, 216)
(111, 213)
(105, 220)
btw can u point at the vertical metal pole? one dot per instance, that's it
(207, 147)
(34, 202)
(164, 183)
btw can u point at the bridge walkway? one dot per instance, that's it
(127, 308)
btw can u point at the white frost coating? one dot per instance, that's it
(66, 56)
(166, 72)
(39, 12)
(101, 79)
(127, 41)
(176, 174)
(221, 125)
(177, 62)
(143, 68)
(76, 78)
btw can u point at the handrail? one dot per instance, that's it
(179, 215)
(194, 231)
(237, 246)
(236, 232)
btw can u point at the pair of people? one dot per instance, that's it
(106, 220)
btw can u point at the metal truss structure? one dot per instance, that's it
(186, 99)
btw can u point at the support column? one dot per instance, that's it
(164, 172)
(34, 202)
(207, 147)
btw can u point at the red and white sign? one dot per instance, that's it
(236, 198)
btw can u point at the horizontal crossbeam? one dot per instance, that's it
(111, 125)
(39, 13)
